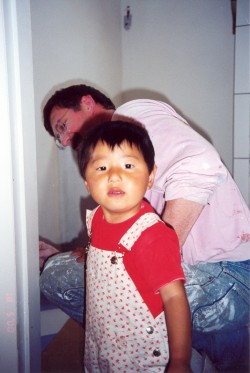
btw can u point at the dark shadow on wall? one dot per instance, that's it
(138, 93)
(81, 239)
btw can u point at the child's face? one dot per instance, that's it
(117, 180)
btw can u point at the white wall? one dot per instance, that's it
(74, 41)
(177, 50)
(183, 51)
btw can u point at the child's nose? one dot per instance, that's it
(114, 175)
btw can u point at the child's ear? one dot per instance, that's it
(151, 178)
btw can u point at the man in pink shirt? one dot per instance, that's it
(191, 176)
(193, 192)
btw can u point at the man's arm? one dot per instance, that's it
(181, 214)
(178, 322)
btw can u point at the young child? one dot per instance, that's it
(137, 313)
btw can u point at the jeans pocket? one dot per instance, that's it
(218, 295)
(240, 271)
(229, 311)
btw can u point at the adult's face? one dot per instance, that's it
(67, 123)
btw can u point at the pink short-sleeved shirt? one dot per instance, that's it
(189, 167)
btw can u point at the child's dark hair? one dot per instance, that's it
(114, 134)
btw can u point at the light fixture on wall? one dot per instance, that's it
(127, 18)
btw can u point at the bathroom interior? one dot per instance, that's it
(192, 54)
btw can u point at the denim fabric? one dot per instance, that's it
(62, 283)
(200, 363)
(228, 350)
(218, 295)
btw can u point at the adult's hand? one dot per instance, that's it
(45, 251)
(80, 252)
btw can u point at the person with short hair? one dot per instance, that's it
(137, 313)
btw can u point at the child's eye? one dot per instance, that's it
(129, 165)
(101, 168)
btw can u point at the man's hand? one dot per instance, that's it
(80, 252)
(45, 251)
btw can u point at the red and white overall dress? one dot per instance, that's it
(121, 333)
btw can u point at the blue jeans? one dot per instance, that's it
(218, 295)
(62, 283)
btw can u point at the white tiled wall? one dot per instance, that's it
(242, 99)
(241, 126)
(242, 81)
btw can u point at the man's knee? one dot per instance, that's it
(61, 274)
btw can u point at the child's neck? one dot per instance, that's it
(120, 217)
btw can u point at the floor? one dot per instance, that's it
(64, 353)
